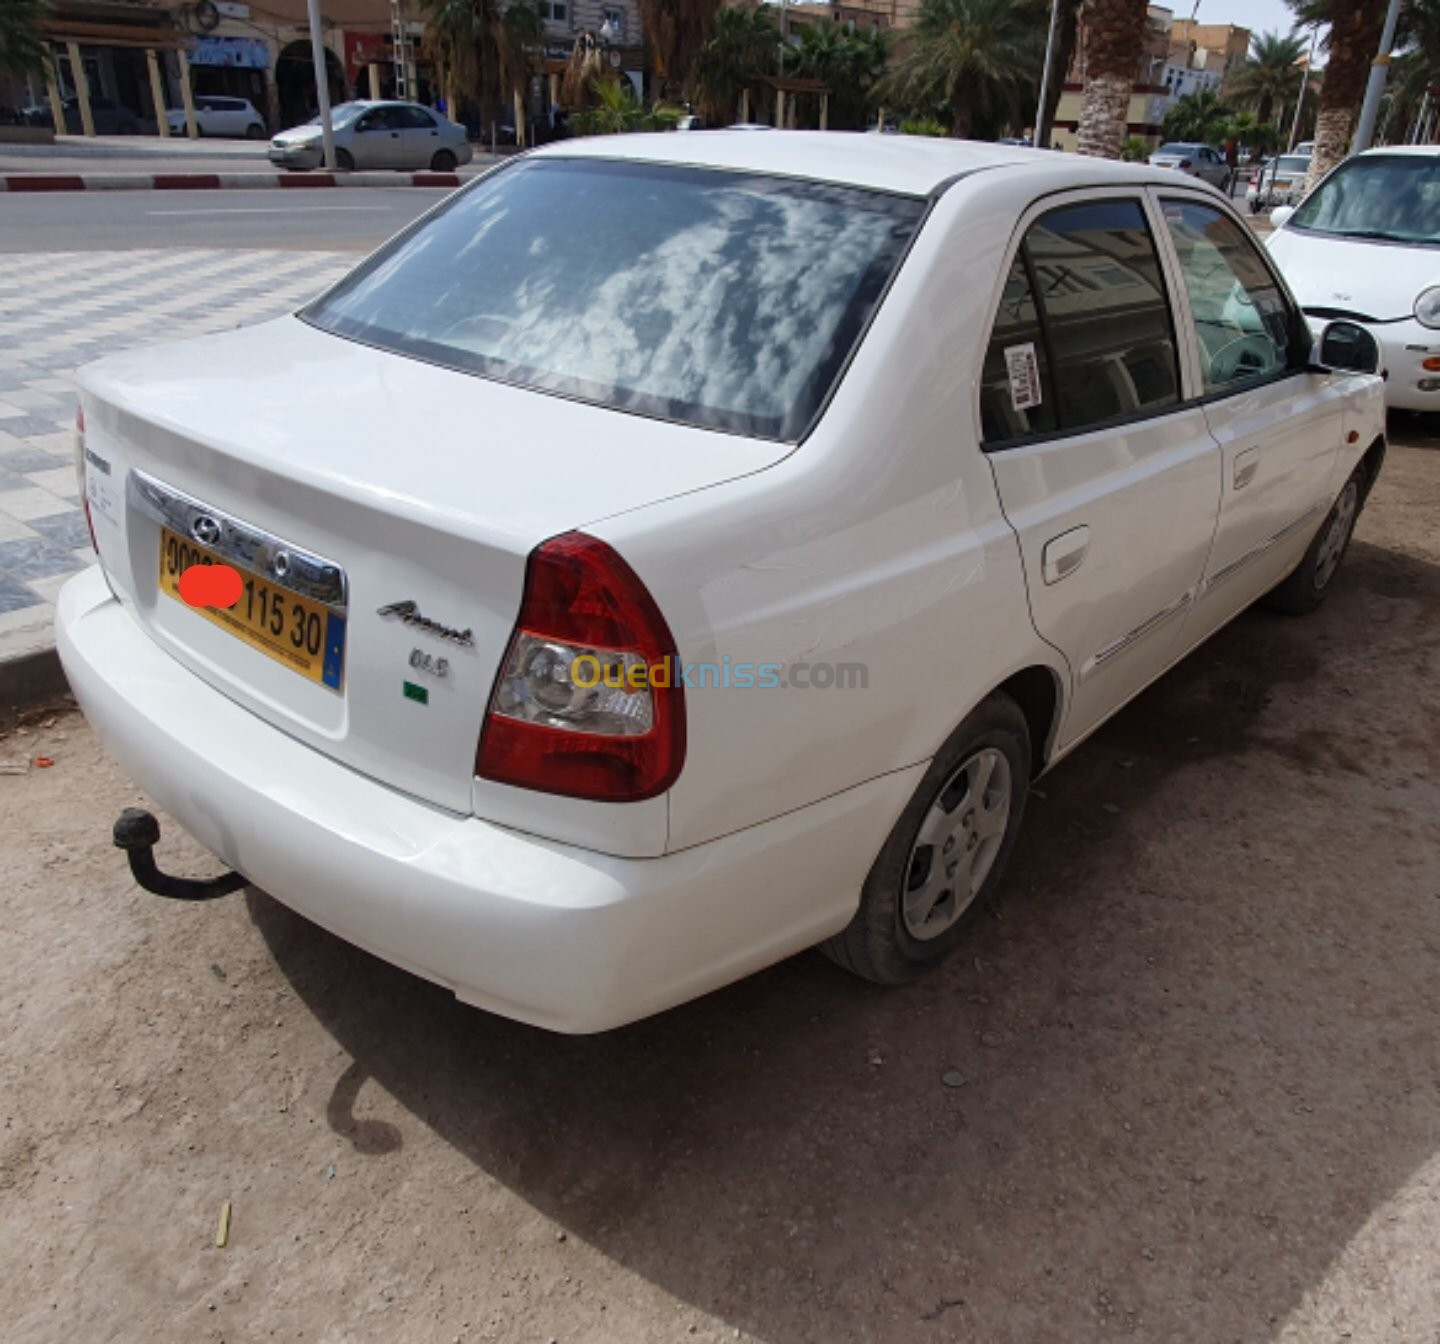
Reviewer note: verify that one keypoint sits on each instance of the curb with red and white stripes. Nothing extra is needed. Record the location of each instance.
(25, 182)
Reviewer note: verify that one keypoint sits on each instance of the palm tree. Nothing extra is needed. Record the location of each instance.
(23, 47)
(1112, 35)
(743, 45)
(1198, 116)
(975, 57)
(1355, 27)
(1270, 76)
(487, 47)
(674, 31)
(850, 63)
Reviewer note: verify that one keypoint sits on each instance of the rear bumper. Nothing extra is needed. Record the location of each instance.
(557, 936)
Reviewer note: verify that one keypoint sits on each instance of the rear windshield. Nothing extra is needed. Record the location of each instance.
(712, 298)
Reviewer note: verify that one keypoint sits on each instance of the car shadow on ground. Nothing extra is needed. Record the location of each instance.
(1181, 1064)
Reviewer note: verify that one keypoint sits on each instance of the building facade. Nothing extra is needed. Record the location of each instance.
(1178, 58)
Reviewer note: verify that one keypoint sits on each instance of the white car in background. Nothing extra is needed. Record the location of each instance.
(671, 553)
(1279, 182)
(215, 115)
(1365, 246)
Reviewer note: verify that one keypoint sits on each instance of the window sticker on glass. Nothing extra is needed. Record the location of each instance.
(1024, 371)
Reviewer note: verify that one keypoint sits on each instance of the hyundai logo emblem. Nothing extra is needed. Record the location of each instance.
(205, 530)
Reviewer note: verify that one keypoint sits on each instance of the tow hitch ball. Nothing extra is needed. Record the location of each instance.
(137, 833)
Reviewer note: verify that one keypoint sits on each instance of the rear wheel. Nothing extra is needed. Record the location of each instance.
(1305, 589)
(254, 131)
(944, 858)
(344, 161)
(443, 162)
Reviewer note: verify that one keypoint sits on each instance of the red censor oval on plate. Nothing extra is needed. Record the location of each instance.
(211, 586)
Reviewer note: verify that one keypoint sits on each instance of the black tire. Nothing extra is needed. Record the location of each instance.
(443, 162)
(878, 943)
(254, 131)
(1306, 587)
(344, 161)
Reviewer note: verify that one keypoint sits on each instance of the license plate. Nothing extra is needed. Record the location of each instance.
(303, 634)
(1282, 184)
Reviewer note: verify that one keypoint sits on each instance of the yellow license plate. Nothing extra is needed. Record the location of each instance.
(303, 634)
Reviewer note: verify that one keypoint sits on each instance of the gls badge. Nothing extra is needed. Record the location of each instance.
(425, 662)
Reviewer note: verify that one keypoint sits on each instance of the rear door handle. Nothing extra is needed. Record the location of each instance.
(1064, 554)
(1246, 465)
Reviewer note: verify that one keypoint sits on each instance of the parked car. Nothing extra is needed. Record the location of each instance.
(1202, 161)
(589, 653)
(220, 116)
(1279, 182)
(1365, 246)
(108, 116)
(377, 135)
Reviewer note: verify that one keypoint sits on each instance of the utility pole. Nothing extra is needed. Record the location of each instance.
(322, 82)
(1379, 68)
(1042, 131)
(1304, 84)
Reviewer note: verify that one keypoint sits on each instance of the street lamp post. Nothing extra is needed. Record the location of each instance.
(1041, 129)
(322, 82)
(1379, 68)
(1304, 84)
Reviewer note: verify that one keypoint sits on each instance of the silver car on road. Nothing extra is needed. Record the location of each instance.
(1195, 160)
(377, 135)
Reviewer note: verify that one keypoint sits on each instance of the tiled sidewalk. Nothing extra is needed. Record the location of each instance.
(61, 310)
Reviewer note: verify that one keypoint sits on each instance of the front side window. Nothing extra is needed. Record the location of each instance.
(1246, 327)
(1084, 334)
(713, 298)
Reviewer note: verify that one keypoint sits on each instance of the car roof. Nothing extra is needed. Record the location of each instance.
(914, 165)
(1404, 149)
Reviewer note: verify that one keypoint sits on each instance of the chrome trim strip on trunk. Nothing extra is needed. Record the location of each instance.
(1255, 552)
(1098, 659)
(238, 542)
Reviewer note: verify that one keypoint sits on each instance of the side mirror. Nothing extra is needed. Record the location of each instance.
(1346, 347)
(1280, 215)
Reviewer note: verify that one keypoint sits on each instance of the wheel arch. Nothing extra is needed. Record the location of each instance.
(1373, 460)
(1037, 691)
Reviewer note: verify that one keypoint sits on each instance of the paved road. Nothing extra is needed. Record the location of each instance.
(355, 219)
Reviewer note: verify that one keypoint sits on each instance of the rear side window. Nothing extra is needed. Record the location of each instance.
(1084, 336)
(713, 298)
(413, 119)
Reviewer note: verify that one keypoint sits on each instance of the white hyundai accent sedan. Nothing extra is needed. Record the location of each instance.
(674, 552)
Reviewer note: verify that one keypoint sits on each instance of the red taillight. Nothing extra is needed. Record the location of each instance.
(1184, 163)
(618, 741)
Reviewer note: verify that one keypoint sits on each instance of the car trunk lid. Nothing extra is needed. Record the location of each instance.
(422, 489)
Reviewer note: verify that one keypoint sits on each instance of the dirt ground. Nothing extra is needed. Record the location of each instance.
(1197, 1049)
